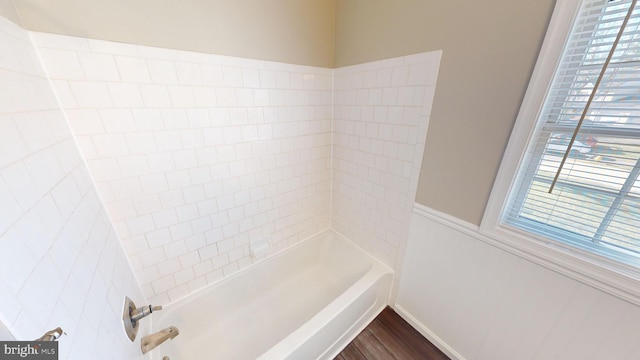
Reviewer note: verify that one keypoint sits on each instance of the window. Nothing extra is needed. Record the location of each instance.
(574, 193)
(595, 203)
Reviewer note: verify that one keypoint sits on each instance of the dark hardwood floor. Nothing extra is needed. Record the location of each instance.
(389, 337)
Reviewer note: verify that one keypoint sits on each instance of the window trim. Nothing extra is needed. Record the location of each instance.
(608, 275)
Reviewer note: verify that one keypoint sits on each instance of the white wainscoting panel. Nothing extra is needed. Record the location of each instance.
(476, 301)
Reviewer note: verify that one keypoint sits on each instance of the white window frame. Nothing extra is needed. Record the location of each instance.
(614, 277)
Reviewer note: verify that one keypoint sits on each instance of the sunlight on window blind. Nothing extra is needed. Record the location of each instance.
(596, 201)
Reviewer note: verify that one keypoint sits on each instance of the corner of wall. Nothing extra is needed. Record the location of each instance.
(60, 264)
(9, 11)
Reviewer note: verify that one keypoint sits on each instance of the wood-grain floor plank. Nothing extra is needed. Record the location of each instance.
(410, 336)
(390, 337)
(396, 346)
(371, 347)
(351, 352)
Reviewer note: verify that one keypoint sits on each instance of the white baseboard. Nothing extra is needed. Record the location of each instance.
(430, 335)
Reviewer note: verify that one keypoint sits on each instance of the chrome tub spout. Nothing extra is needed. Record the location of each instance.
(151, 341)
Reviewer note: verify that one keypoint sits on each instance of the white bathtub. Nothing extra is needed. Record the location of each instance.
(307, 302)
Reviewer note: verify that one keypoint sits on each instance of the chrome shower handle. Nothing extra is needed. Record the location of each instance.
(51, 335)
(143, 312)
(131, 314)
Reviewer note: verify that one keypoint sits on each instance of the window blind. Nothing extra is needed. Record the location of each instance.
(595, 204)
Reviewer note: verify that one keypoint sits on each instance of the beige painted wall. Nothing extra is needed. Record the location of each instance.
(290, 31)
(490, 48)
(8, 11)
(489, 51)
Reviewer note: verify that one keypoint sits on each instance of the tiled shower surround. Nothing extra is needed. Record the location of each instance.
(197, 155)
(194, 156)
(381, 114)
(61, 263)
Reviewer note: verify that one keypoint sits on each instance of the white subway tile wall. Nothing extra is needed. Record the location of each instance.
(61, 263)
(381, 114)
(196, 155)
